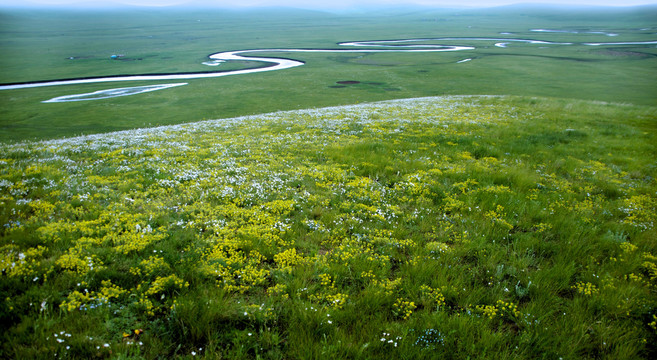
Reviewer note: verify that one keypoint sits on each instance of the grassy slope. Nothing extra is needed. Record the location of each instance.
(36, 46)
(446, 227)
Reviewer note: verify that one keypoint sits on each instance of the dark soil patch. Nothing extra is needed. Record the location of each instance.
(618, 53)
(372, 86)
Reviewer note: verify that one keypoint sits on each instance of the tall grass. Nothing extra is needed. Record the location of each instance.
(454, 227)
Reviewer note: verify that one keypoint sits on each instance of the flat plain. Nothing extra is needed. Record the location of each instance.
(39, 46)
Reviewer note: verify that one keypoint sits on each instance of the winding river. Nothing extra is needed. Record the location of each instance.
(376, 46)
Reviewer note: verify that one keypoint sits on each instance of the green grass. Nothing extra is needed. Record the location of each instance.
(37, 46)
(503, 227)
(463, 227)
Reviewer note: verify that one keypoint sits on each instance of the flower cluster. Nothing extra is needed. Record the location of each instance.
(430, 339)
(585, 288)
(403, 309)
(501, 309)
(434, 296)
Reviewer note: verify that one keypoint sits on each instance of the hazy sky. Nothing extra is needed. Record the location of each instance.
(329, 3)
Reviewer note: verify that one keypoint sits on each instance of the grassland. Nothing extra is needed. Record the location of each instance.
(449, 227)
(39, 45)
(512, 226)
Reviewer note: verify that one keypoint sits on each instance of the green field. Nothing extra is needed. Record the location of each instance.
(488, 228)
(500, 208)
(39, 45)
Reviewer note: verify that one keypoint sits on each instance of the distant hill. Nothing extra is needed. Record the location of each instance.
(567, 12)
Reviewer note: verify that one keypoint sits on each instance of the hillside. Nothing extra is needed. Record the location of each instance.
(458, 227)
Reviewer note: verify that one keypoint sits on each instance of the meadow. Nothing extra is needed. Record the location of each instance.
(447, 227)
(362, 206)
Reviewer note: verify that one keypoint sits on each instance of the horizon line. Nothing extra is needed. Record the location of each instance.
(204, 5)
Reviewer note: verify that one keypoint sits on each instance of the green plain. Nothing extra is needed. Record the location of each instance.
(38, 46)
